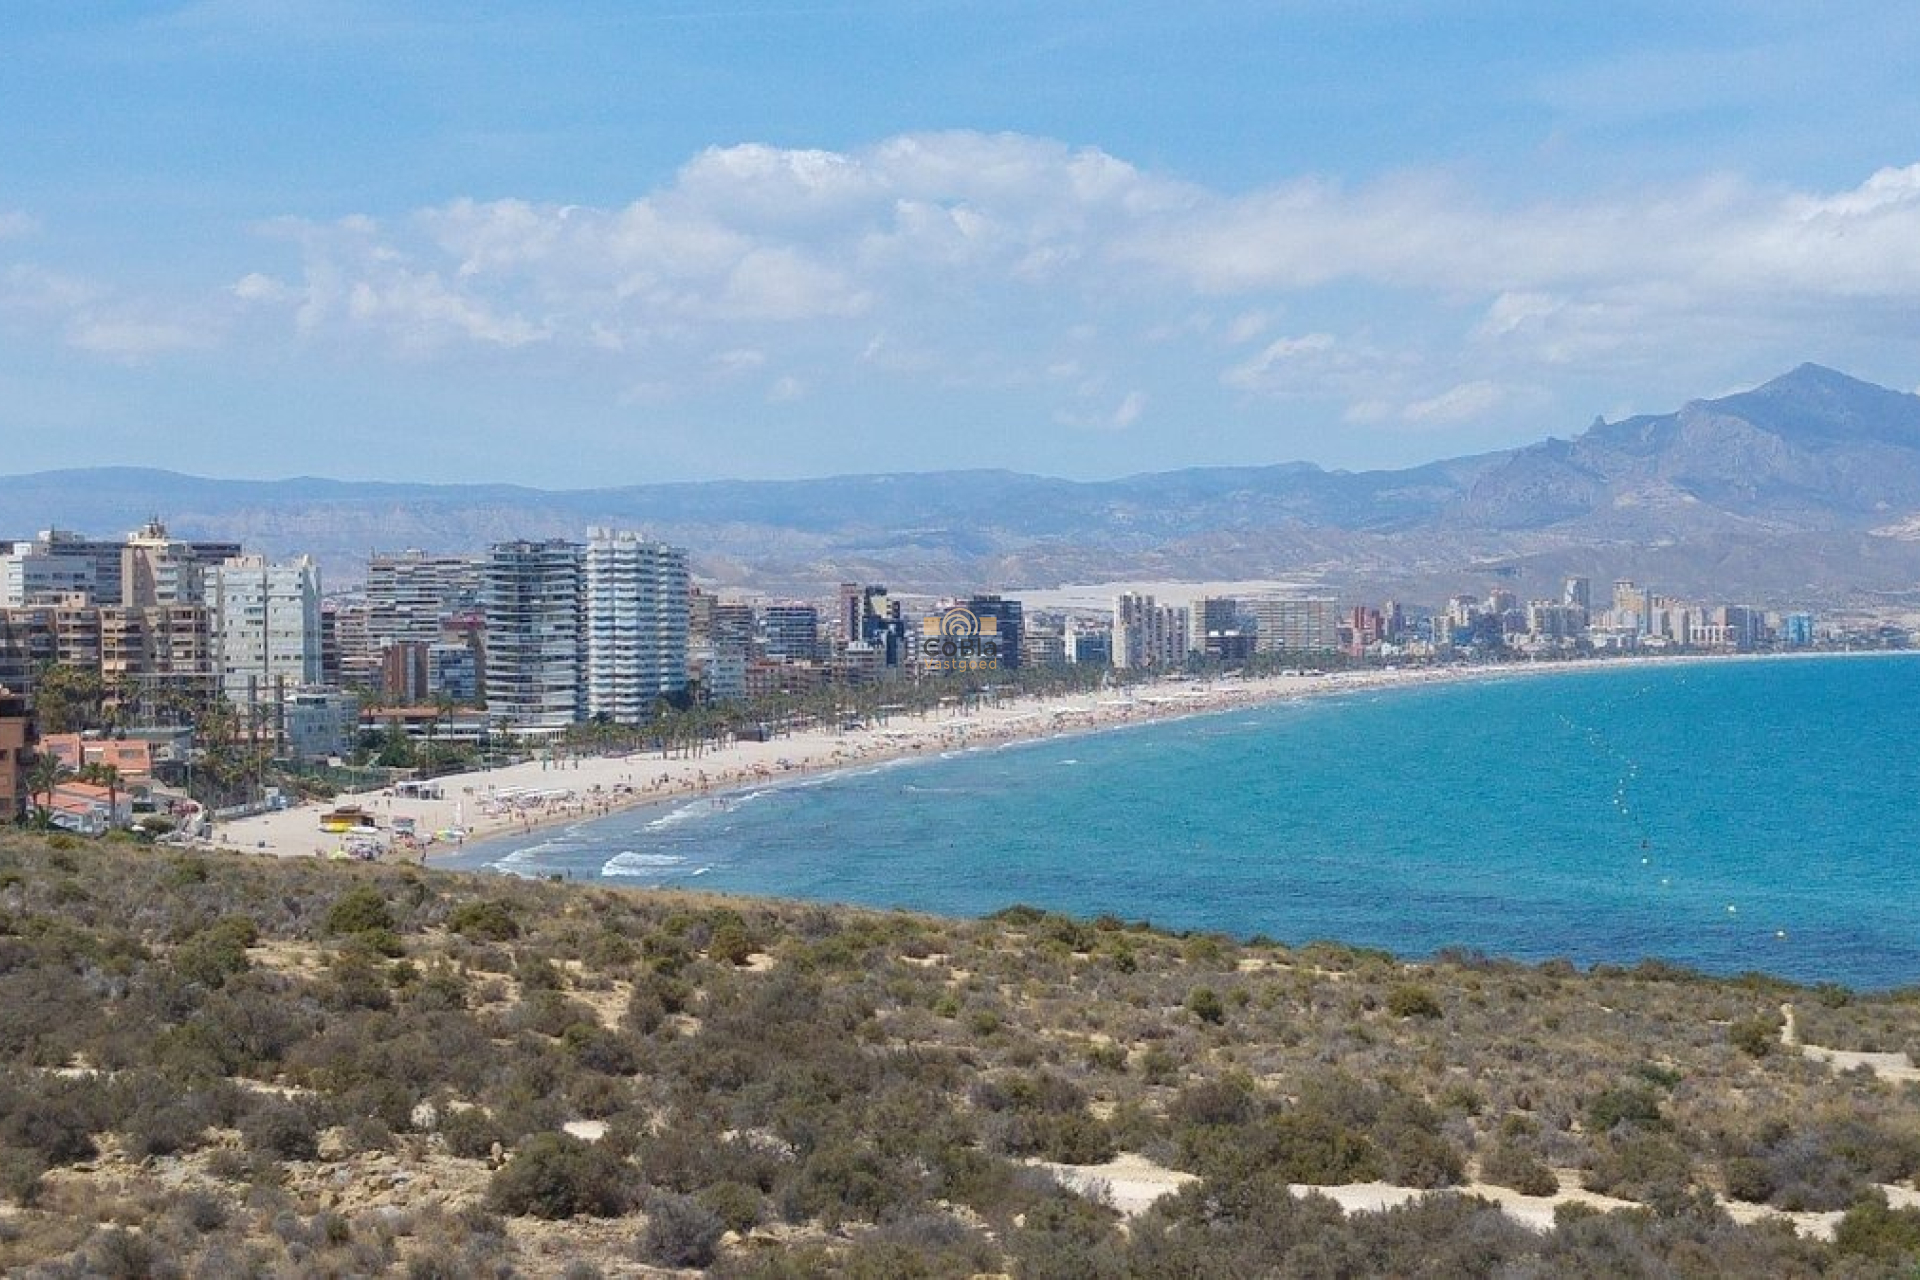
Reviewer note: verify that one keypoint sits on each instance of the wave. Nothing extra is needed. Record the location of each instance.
(674, 817)
(535, 854)
(632, 863)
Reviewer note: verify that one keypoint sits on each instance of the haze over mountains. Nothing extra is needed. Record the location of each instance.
(1806, 489)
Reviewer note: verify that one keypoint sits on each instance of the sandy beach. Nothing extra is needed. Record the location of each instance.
(524, 797)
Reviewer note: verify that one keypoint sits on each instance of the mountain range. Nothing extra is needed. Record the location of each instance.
(1805, 489)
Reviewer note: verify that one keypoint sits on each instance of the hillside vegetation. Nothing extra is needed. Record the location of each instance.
(221, 1064)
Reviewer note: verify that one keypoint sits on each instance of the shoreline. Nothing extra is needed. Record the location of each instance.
(490, 806)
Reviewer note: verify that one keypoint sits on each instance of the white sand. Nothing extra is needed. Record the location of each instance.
(1132, 1183)
(526, 796)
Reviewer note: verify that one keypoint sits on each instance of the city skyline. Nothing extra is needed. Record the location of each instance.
(616, 245)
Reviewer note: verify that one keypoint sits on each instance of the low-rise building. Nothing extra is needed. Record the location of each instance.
(89, 809)
(130, 758)
(320, 723)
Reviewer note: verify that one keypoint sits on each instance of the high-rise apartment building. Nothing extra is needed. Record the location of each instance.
(1009, 625)
(868, 617)
(636, 624)
(1290, 624)
(161, 657)
(30, 573)
(157, 568)
(410, 592)
(1220, 629)
(533, 596)
(1088, 645)
(1146, 634)
(266, 628)
(792, 631)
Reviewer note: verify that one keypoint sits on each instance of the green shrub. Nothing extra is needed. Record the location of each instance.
(730, 943)
(1508, 1165)
(680, 1231)
(1624, 1105)
(1158, 1066)
(736, 1204)
(1748, 1178)
(470, 1133)
(598, 1049)
(555, 1175)
(1755, 1037)
(1872, 1230)
(217, 952)
(1648, 1167)
(285, 1130)
(361, 908)
(384, 943)
(1418, 1157)
(1204, 1004)
(490, 921)
(1412, 1001)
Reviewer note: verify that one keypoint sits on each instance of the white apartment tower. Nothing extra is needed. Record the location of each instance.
(636, 624)
(266, 627)
(532, 593)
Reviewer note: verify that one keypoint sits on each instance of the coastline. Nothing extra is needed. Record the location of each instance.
(487, 806)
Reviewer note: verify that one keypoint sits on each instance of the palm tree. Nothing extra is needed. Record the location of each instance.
(44, 776)
(108, 776)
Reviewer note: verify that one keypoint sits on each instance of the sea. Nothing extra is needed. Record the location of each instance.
(1729, 816)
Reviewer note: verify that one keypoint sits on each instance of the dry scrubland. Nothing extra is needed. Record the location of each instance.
(226, 1065)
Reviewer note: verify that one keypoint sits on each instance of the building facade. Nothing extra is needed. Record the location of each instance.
(792, 632)
(266, 628)
(1291, 624)
(15, 734)
(533, 594)
(409, 593)
(637, 607)
(1146, 634)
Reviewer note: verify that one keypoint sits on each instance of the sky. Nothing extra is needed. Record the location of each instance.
(603, 243)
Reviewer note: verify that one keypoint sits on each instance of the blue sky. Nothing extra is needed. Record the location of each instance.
(600, 243)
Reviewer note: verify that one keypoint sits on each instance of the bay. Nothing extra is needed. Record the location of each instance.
(1728, 816)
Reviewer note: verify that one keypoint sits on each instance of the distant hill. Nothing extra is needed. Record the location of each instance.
(1806, 488)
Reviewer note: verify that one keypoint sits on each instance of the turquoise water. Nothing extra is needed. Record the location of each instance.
(1728, 816)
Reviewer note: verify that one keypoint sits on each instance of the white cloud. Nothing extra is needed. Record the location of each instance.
(786, 390)
(1130, 409)
(967, 256)
(1286, 362)
(32, 289)
(420, 309)
(93, 317)
(15, 223)
(738, 360)
(1462, 403)
(1247, 326)
(256, 287)
(133, 340)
